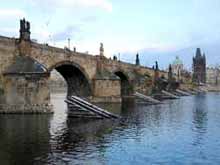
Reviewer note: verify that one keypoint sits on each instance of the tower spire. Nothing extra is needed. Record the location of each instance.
(198, 52)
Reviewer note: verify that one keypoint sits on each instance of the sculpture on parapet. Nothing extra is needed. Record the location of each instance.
(137, 62)
(170, 74)
(156, 73)
(157, 68)
(101, 49)
(24, 30)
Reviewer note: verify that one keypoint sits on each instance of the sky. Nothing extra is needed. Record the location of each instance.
(123, 26)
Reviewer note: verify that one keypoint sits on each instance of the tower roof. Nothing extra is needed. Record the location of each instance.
(198, 53)
(25, 64)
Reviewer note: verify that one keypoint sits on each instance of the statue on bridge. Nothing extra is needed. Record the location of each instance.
(157, 67)
(24, 30)
(137, 62)
(101, 49)
(170, 74)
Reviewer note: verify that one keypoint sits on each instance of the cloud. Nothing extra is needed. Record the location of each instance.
(68, 32)
(11, 13)
(103, 4)
(71, 4)
(9, 16)
(89, 19)
(8, 31)
(39, 34)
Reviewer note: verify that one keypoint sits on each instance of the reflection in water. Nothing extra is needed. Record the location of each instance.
(23, 138)
(83, 137)
(200, 113)
(200, 120)
(184, 131)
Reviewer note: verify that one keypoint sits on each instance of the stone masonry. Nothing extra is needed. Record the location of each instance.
(25, 68)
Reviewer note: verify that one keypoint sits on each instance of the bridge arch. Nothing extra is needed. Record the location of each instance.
(126, 84)
(77, 79)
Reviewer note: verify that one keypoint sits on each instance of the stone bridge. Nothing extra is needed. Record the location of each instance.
(25, 68)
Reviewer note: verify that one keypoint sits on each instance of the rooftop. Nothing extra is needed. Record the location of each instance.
(177, 61)
(25, 64)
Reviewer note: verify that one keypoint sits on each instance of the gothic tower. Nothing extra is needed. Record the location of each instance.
(199, 67)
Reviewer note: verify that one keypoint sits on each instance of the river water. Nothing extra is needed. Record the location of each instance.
(183, 131)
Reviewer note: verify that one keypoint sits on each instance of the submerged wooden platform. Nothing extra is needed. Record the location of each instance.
(148, 99)
(170, 95)
(80, 108)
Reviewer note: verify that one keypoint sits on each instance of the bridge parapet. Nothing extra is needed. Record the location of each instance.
(93, 76)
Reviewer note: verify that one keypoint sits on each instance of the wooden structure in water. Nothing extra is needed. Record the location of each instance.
(80, 108)
(147, 99)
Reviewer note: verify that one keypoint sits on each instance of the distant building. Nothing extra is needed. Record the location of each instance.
(57, 82)
(199, 68)
(177, 68)
(213, 75)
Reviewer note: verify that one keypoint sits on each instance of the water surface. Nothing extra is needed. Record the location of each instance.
(184, 131)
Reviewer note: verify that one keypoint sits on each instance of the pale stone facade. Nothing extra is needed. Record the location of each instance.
(57, 82)
(213, 75)
(177, 68)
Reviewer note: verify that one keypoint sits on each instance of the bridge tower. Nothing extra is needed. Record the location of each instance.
(199, 67)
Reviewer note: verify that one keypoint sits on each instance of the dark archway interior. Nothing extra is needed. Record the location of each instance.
(126, 88)
(76, 81)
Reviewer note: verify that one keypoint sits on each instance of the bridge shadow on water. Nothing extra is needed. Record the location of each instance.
(23, 138)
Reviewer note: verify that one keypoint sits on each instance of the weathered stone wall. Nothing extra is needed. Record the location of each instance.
(106, 90)
(8, 50)
(26, 94)
(141, 78)
(50, 57)
(128, 68)
(26, 91)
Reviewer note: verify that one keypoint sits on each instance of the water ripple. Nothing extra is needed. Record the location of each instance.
(184, 131)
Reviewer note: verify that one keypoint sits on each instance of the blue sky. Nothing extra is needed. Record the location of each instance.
(125, 26)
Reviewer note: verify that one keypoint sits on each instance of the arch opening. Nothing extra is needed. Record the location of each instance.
(126, 87)
(76, 81)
